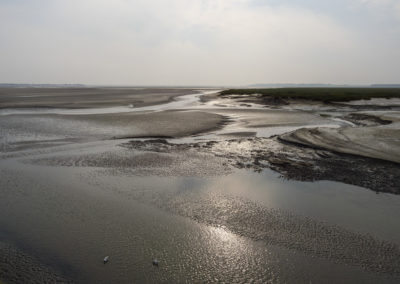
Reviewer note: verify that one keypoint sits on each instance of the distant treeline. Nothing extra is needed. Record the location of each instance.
(319, 94)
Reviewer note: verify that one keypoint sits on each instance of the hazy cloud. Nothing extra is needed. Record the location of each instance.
(199, 42)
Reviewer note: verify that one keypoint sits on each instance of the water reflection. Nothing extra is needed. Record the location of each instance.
(244, 227)
(348, 206)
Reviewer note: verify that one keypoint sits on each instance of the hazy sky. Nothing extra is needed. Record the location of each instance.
(201, 42)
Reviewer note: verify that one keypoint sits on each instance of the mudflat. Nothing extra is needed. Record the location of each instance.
(86, 97)
(216, 187)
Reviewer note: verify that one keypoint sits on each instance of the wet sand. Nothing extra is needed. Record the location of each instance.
(191, 185)
(372, 142)
(98, 206)
(288, 159)
(87, 97)
(18, 266)
(108, 126)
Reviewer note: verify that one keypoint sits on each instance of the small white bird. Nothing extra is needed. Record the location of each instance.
(105, 260)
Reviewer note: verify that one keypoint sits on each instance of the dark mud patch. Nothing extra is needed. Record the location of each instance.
(374, 174)
(239, 134)
(143, 137)
(361, 119)
(245, 99)
(290, 160)
(273, 101)
(367, 107)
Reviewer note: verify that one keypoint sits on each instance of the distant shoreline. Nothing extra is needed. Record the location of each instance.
(224, 86)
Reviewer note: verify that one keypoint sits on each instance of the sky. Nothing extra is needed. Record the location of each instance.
(199, 42)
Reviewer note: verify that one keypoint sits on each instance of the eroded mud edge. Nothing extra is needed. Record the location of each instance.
(290, 160)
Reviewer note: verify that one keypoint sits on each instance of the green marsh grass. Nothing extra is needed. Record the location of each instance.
(319, 94)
